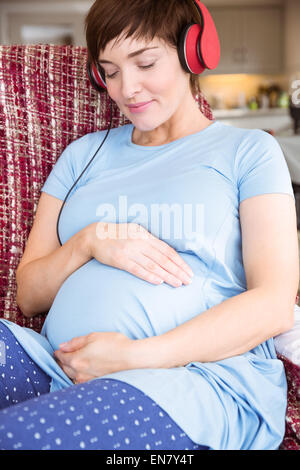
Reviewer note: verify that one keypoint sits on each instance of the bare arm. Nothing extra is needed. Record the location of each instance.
(240, 323)
(230, 328)
(46, 264)
(39, 280)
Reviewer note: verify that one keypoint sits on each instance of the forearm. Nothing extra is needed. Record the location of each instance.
(228, 329)
(39, 281)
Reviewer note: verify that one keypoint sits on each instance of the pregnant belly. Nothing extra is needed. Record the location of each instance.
(97, 297)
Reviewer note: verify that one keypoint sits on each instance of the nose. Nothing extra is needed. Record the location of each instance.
(130, 84)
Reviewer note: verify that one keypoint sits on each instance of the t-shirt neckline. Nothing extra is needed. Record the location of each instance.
(169, 144)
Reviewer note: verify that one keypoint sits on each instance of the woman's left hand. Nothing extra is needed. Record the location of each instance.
(87, 357)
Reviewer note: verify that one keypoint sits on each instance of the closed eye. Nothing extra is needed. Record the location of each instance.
(140, 66)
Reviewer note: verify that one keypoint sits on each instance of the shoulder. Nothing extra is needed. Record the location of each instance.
(239, 135)
(80, 151)
(237, 144)
(258, 137)
(258, 145)
(243, 147)
(249, 146)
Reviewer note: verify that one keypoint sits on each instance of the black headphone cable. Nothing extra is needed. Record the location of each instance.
(110, 124)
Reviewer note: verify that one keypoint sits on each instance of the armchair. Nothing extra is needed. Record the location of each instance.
(46, 102)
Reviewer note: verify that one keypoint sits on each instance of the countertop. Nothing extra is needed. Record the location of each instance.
(232, 113)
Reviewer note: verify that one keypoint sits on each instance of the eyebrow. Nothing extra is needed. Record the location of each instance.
(132, 54)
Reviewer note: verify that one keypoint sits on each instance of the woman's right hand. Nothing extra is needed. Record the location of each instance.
(132, 248)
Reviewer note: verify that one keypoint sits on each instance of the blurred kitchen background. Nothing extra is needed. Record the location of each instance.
(256, 85)
(259, 70)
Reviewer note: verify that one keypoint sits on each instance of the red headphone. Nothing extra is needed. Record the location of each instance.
(198, 49)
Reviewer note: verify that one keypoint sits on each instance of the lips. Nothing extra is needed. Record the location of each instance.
(138, 105)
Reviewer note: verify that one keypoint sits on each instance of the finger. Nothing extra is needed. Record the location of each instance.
(61, 357)
(83, 378)
(169, 252)
(57, 355)
(138, 271)
(74, 344)
(154, 267)
(165, 267)
(67, 370)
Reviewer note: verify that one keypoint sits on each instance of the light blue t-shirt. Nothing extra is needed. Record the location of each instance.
(187, 193)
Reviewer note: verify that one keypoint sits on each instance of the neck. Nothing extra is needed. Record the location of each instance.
(175, 128)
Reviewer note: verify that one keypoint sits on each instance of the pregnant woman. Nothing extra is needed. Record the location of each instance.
(174, 267)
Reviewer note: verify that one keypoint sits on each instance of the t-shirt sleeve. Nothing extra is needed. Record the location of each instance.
(260, 166)
(74, 164)
(61, 177)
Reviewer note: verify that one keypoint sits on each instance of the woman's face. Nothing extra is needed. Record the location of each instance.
(153, 76)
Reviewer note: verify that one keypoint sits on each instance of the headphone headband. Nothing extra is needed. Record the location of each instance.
(198, 49)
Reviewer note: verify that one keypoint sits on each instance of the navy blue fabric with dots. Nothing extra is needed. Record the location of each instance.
(103, 414)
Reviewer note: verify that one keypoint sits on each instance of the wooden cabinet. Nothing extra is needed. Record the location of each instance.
(251, 39)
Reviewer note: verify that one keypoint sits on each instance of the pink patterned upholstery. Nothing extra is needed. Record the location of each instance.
(46, 102)
(291, 439)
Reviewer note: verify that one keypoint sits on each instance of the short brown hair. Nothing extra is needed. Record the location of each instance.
(165, 19)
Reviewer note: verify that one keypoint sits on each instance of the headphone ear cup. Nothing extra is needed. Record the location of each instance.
(96, 77)
(198, 45)
(209, 45)
(188, 49)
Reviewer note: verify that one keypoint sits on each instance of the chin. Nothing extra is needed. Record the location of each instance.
(147, 124)
(144, 125)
